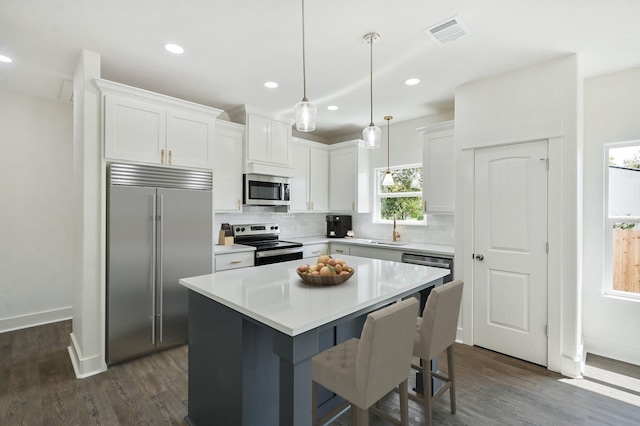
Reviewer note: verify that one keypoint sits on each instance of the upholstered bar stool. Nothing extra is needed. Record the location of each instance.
(364, 370)
(436, 332)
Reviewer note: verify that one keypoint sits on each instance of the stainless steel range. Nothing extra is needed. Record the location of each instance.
(266, 239)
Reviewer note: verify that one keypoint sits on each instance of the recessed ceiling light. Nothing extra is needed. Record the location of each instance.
(332, 107)
(5, 59)
(412, 81)
(271, 84)
(174, 48)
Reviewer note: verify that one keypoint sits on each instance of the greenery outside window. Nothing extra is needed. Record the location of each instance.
(402, 199)
(622, 227)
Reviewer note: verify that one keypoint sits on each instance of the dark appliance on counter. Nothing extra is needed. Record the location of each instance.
(265, 238)
(159, 229)
(338, 225)
(264, 190)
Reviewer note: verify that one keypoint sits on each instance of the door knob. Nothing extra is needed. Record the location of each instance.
(480, 257)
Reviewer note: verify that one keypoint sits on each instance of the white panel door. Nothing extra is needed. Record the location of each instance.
(510, 266)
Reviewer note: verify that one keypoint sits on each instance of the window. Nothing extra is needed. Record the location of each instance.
(622, 227)
(402, 199)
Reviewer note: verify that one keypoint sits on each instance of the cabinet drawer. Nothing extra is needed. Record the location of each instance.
(234, 260)
(315, 250)
(340, 248)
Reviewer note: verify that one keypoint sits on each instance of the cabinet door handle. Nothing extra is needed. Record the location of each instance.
(170, 157)
(425, 206)
(339, 251)
(353, 206)
(233, 262)
(162, 156)
(239, 204)
(312, 205)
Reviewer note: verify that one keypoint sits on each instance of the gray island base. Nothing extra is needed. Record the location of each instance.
(253, 331)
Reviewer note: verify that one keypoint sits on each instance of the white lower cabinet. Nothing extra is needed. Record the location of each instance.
(337, 248)
(233, 260)
(376, 253)
(315, 250)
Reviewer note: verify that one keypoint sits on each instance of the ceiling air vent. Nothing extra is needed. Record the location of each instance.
(447, 31)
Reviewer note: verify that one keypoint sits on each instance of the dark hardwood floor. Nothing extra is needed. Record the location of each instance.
(38, 387)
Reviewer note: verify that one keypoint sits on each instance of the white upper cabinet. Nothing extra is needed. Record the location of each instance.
(227, 170)
(147, 127)
(349, 177)
(190, 139)
(267, 141)
(438, 168)
(310, 178)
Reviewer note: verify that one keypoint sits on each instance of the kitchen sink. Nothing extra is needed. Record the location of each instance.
(379, 243)
(388, 243)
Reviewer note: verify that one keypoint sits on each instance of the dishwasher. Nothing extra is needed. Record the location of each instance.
(426, 260)
(436, 262)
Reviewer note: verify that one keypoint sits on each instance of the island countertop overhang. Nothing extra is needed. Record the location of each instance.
(275, 296)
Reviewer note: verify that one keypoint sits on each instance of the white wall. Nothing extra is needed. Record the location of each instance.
(610, 324)
(539, 102)
(36, 181)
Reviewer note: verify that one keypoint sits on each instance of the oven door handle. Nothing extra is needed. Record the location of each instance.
(278, 252)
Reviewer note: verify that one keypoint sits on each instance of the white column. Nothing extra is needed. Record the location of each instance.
(87, 336)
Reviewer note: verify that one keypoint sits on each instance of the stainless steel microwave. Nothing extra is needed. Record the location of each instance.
(265, 190)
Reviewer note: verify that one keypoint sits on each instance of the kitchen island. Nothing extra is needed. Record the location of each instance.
(253, 331)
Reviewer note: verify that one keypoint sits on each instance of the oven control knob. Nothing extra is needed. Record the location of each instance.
(274, 228)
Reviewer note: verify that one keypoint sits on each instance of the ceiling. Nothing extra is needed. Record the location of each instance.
(233, 47)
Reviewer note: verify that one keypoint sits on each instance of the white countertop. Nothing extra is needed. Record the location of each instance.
(404, 246)
(274, 294)
(236, 248)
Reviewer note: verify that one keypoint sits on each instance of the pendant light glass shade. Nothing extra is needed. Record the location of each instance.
(305, 116)
(371, 134)
(388, 178)
(305, 111)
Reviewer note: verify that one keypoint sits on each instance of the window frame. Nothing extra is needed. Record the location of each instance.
(377, 196)
(609, 221)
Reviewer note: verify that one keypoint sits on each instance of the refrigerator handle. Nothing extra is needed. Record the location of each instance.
(160, 247)
(154, 265)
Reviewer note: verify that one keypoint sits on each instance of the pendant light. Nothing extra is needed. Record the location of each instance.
(388, 178)
(371, 134)
(305, 110)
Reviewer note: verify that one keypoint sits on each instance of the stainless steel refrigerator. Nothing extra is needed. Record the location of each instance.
(159, 229)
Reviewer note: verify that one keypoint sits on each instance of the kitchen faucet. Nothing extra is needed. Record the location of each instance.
(396, 234)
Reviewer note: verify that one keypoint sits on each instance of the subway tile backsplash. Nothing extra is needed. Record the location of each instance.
(440, 228)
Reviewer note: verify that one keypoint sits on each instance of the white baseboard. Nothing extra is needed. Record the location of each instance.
(573, 366)
(84, 366)
(35, 319)
(612, 350)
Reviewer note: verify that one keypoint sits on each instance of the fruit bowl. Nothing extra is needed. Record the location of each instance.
(324, 280)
